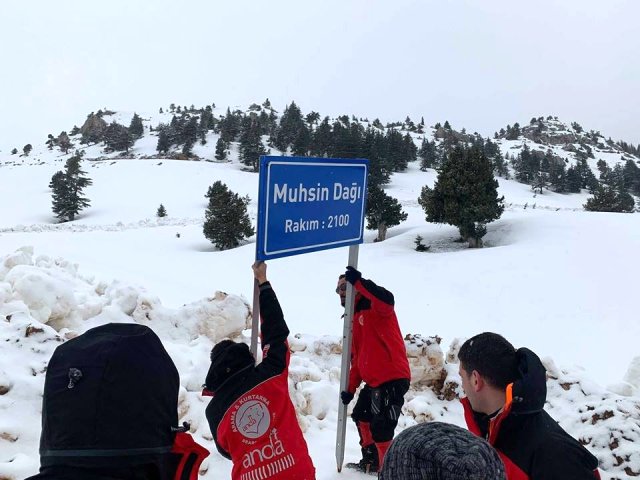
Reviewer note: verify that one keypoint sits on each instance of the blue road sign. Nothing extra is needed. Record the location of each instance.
(309, 204)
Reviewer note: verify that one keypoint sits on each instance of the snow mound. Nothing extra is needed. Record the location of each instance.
(45, 301)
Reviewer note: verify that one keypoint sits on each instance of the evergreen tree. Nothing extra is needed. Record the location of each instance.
(251, 146)
(221, 150)
(64, 142)
(136, 129)
(230, 126)
(321, 139)
(312, 118)
(164, 144)
(587, 177)
(465, 194)
(375, 149)
(540, 182)
(117, 138)
(68, 187)
(493, 153)
(27, 149)
(608, 199)
(383, 211)
(428, 155)
(574, 181)
(161, 212)
(526, 166)
(513, 133)
(301, 143)
(558, 176)
(189, 135)
(14, 151)
(160, 111)
(290, 123)
(226, 219)
(631, 177)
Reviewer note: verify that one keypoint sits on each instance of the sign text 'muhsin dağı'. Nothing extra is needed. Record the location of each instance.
(286, 194)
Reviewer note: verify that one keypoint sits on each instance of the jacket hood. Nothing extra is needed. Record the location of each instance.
(529, 390)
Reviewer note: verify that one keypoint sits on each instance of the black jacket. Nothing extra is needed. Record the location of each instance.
(274, 334)
(531, 443)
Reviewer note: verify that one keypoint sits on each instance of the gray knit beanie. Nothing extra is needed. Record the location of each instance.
(440, 451)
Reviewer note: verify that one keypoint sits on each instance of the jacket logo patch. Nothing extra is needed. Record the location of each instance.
(252, 419)
(361, 319)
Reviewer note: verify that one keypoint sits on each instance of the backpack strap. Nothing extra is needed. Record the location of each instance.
(191, 456)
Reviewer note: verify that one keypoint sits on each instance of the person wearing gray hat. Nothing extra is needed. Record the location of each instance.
(441, 451)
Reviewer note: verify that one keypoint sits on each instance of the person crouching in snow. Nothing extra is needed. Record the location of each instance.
(379, 358)
(251, 416)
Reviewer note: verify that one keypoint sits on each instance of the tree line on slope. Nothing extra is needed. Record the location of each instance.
(466, 164)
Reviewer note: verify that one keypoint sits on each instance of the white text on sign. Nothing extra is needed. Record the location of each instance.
(286, 194)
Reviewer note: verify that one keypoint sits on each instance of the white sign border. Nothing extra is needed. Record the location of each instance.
(307, 247)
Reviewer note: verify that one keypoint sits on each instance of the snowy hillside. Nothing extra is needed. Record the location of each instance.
(552, 277)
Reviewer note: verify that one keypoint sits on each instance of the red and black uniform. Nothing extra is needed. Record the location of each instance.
(379, 358)
(251, 415)
(531, 444)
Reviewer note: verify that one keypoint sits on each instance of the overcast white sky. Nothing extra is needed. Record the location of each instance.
(481, 64)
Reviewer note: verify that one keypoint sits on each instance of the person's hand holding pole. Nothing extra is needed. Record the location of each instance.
(260, 271)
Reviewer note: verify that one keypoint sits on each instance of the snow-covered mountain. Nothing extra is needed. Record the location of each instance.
(552, 277)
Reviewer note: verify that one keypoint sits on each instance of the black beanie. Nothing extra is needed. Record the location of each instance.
(441, 451)
(227, 357)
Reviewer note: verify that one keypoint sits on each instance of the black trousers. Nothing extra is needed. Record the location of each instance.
(381, 407)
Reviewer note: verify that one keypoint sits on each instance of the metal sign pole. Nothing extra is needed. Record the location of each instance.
(346, 360)
(255, 321)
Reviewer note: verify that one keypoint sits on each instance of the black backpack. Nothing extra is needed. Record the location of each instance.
(110, 401)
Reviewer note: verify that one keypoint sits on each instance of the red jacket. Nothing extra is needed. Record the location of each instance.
(251, 414)
(378, 353)
(531, 444)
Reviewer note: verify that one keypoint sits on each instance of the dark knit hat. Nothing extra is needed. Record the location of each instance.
(227, 357)
(440, 451)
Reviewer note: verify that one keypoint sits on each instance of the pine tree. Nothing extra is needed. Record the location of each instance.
(383, 211)
(428, 155)
(117, 138)
(290, 123)
(27, 149)
(221, 150)
(64, 142)
(574, 182)
(136, 129)
(68, 189)
(226, 219)
(608, 199)
(526, 166)
(321, 139)
(312, 118)
(465, 194)
(558, 176)
(161, 212)
(14, 151)
(631, 177)
(251, 146)
(164, 144)
(300, 147)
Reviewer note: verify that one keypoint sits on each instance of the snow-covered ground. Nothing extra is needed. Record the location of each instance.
(553, 278)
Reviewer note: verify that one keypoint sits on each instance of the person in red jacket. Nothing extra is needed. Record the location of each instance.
(506, 391)
(251, 416)
(379, 358)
